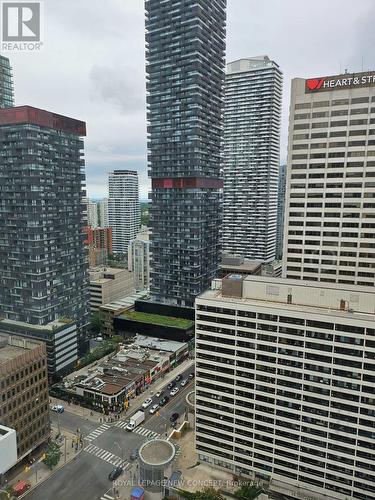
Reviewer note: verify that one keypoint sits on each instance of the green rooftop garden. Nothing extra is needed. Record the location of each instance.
(157, 319)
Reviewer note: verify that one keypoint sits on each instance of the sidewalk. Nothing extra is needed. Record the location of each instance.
(134, 403)
(39, 472)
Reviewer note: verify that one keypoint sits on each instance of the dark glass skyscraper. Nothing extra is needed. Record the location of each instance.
(6, 83)
(43, 263)
(185, 68)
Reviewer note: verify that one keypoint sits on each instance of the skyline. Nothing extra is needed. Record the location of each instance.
(108, 87)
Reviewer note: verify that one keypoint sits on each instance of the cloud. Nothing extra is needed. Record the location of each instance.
(93, 68)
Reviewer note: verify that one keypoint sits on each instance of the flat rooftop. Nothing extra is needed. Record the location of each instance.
(13, 346)
(125, 302)
(305, 296)
(10, 352)
(158, 344)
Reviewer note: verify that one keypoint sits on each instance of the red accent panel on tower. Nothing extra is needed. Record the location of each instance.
(27, 114)
(187, 182)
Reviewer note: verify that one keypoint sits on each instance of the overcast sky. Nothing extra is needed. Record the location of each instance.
(92, 65)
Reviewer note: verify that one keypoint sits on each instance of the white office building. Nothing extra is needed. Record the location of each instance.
(253, 88)
(103, 212)
(285, 385)
(124, 214)
(330, 206)
(139, 260)
(92, 213)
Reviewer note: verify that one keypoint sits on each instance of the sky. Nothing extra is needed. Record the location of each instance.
(92, 66)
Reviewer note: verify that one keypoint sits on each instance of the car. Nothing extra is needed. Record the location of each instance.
(171, 384)
(147, 403)
(164, 401)
(174, 391)
(184, 382)
(158, 394)
(178, 378)
(58, 408)
(192, 375)
(174, 417)
(154, 409)
(115, 473)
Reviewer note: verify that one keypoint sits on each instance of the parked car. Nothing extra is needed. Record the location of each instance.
(158, 394)
(154, 409)
(191, 375)
(178, 378)
(147, 403)
(164, 401)
(174, 417)
(184, 382)
(113, 475)
(58, 408)
(171, 384)
(174, 391)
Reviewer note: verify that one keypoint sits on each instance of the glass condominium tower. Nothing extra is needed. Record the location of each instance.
(185, 69)
(253, 88)
(6, 83)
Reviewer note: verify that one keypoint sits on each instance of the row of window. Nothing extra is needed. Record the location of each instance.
(334, 102)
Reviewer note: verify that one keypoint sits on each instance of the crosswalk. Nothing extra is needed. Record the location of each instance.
(138, 430)
(107, 496)
(94, 434)
(107, 456)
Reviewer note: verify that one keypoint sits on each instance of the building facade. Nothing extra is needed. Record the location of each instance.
(61, 338)
(330, 209)
(43, 269)
(124, 213)
(99, 242)
(108, 285)
(285, 385)
(280, 212)
(24, 405)
(103, 212)
(6, 83)
(185, 73)
(139, 260)
(92, 213)
(252, 113)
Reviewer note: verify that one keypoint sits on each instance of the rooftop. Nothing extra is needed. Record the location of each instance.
(157, 319)
(12, 347)
(157, 452)
(328, 299)
(125, 302)
(158, 344)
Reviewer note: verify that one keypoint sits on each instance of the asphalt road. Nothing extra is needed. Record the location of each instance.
(86, 476)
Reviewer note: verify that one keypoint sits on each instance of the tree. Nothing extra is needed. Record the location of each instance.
(95, 322)
(52, 455)
(248, 491)
(207, 493)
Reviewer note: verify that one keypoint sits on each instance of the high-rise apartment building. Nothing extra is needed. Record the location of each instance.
(124, 213)
(185, 73)
(253, 88)
(99, 242)
(6, 83)
(139, 260)
(103, 212)
(285, 385)
(92, 213)
(330, 209)
(280, 212)
(24, 401)
(43, 269)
